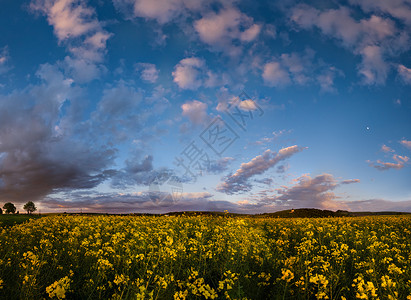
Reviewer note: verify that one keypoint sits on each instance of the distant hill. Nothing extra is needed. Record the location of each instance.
(292, 213)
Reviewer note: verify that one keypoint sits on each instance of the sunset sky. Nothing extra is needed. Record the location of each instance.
(248, 106)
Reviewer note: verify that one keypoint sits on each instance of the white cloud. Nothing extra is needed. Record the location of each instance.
(195, 111)
(188, 73)
(247, 105)
(149, 72)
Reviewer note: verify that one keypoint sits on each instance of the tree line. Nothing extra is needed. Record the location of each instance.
(9, 208)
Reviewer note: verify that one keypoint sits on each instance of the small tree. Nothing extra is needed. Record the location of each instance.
(30, 207)
(9, 208)
(1, 211)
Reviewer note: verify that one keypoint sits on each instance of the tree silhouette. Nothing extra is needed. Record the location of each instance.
(30, 207)
(1, 211)
(9, 208)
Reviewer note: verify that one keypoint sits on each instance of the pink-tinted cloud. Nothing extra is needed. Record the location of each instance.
(69, 18)
(383, 166)
(299, 69)
(307, 192)
(4, 60)
(405, 73)
(275, 75)
(386, 149)
(188, 73)
(396, 8)
(195, 111)
(406, 144)
(348, 181)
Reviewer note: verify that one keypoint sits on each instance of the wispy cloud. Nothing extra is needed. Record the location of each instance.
(383, 166)
(386, 149)
(239, 181)
(275, 136)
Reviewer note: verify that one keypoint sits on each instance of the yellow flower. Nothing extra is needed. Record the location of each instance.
(287, 275)
(59, 288)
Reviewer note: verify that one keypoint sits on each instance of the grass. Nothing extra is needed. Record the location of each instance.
(10, 220)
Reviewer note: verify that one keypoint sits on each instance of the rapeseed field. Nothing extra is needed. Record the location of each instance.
(206, 257)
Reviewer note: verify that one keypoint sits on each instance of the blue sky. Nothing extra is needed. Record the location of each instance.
(157, 106)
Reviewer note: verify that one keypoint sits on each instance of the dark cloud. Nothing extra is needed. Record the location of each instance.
(219, 166)
(143, 202)
(282, 168)
(266, 181)
(38, 153)
(136, 202)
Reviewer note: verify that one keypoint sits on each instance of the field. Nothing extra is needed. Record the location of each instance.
(206, 257)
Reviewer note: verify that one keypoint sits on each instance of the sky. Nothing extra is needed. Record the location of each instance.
(126, 106)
